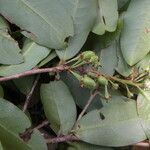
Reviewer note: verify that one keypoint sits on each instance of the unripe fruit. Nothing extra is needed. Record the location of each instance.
(87, 55)
(102, 80)
(88, 82)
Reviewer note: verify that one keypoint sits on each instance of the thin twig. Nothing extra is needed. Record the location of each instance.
(142, 144)
(85, 107)
(26, 136)
(28, 98)
(65, 138)
(44, 123)
(35, 71)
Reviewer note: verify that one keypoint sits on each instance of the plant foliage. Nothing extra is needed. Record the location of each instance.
(81, 65)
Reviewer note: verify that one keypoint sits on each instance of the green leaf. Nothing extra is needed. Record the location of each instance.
(144, 64)
(45, 22)
(33, 54)
(24, 84)
(143, 107)
(80, 95)
(59, 106)
(1, 91)
(109, 37)
(86, 146)
(9, 49)
(50, 57)
(116, 124)
(83, 24)
(122, 67)
(108, 59)
(135, 39)
(3, 24)
(107, 16)
(13, 122)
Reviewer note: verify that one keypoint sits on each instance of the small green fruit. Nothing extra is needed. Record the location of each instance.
(88, 82)
(102, 80)
(87, 55)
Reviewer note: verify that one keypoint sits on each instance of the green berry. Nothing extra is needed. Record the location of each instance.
(88, 82)
(102, 80)
(87, 55)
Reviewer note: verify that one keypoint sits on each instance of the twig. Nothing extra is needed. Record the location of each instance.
(44, 123)
(65, 138)
(26, 136)
(85, 108)
(142, 144)
(28, 98)
(35, 71)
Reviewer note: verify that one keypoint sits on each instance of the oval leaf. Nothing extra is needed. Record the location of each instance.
(9, 49)
(143, 107)
(3, 24)
(33, 54)
(109, 60)
(107, 16)
(112, 128)
(45, 22)
(135, 39)
(83, 24)
(59, 106)
(13, 122)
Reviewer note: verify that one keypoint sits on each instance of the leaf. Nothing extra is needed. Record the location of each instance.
(1, 92)
(9, 49)
(143, 107)
(86, 146)
(33, 54)
(50, 57)
(59, 106)
(144, 64)
(24, 84)
(80, 95)
(3, 25)
(122, 67)
(13, 122)
(45, 22)
(109, 37)
(83, 24)
(107, 16)
(108, 59)
(135, 39)
(108, 127)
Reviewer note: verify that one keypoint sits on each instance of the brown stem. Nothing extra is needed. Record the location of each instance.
(65, 138)
(26, 136)
(85, 107)
(44, 123)
(142, 144)
(35, 71)
(28, 98)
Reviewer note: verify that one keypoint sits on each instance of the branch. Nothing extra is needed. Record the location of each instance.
(142, 144)
(65, 138)
(26, 136)
(85, 108)
(35, 71)
(28, 98)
